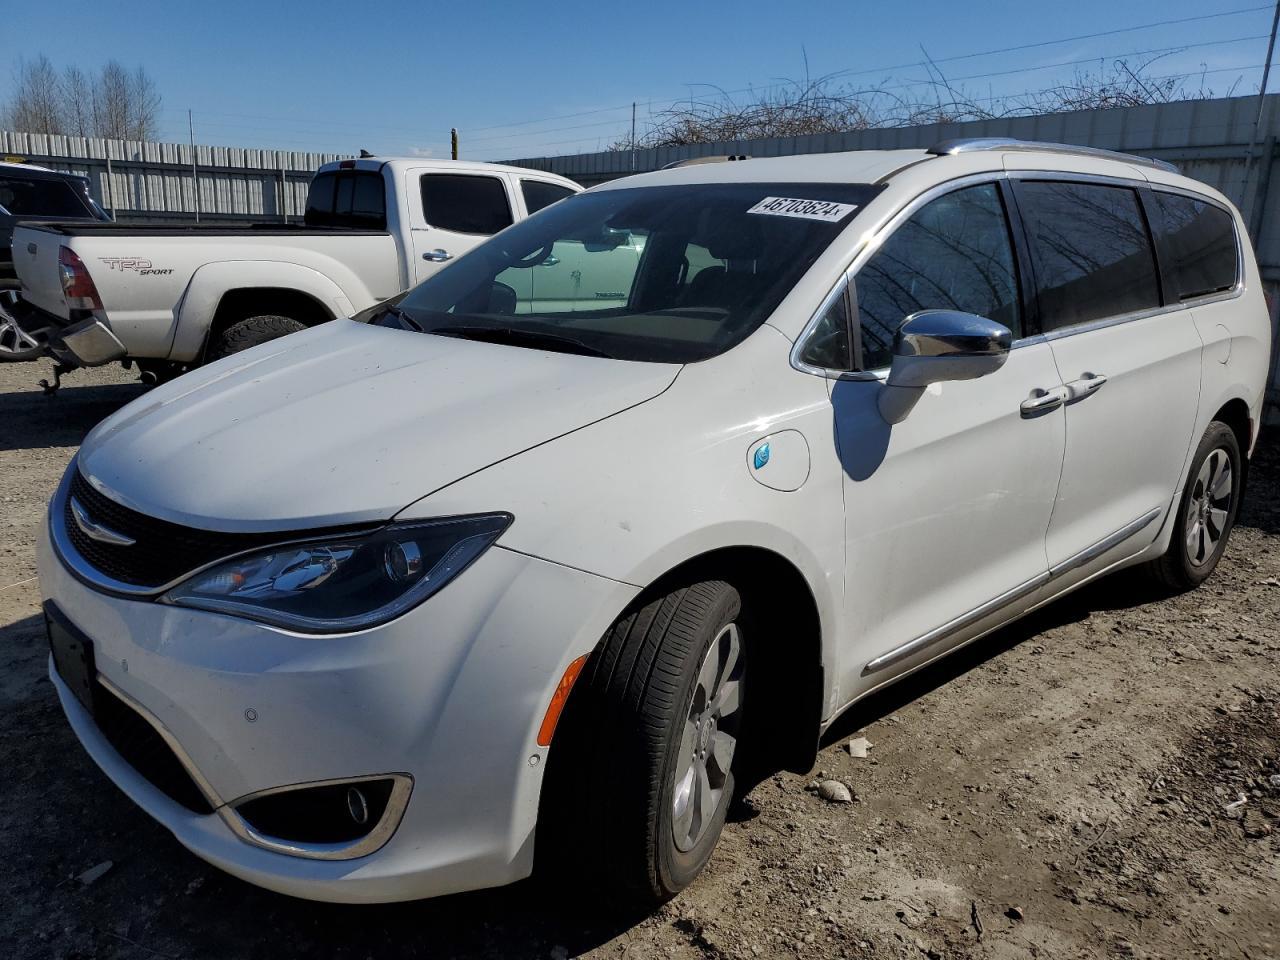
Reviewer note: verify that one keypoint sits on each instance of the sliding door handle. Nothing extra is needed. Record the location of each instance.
(1042, 401)
(1086, 386)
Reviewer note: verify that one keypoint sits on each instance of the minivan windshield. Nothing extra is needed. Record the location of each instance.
(670, 274)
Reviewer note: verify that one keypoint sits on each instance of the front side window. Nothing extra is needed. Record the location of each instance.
(461, 203)
(670, 274)
(1201, 241)
(539, 194)
(954, 253)
(1092, 252)
(828, 345)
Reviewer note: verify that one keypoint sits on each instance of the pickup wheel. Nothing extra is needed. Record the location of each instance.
(250, 332)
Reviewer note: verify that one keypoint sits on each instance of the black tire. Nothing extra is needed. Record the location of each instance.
(249, 333)
(609, 821)
(1185, 565)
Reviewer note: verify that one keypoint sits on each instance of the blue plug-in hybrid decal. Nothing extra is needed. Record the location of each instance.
(762, 455)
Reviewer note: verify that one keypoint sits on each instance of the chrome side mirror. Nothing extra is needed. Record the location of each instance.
(934, 346)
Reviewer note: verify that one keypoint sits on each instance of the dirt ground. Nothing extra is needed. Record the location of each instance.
(1098, 781)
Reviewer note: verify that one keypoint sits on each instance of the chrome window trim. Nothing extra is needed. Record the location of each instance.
(868, 244)
(892, 221)
(375, 839)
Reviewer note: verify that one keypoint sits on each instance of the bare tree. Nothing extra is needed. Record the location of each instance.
(76, 92)
(798, 107)
(36, 106)
(116, 102)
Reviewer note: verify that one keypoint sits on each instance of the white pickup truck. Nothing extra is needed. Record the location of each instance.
(170, 297)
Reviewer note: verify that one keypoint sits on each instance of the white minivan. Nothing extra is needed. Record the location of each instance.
(385, 610)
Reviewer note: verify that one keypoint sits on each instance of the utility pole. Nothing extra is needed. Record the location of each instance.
(195, 181)
(633, 132)
(453, 136)
(1262, 107)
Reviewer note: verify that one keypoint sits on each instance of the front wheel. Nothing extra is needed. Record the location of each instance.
(641, 770)
(1206, 512)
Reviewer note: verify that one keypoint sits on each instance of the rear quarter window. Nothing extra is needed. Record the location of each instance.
(1200, 243)
(347, 198)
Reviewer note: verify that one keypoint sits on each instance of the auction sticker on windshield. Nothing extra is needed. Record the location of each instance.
(827, 210)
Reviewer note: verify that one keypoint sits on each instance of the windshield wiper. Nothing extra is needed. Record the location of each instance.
(517, 336)
(403, 317)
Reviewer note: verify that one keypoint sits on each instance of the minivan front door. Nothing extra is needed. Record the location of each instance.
(1131, 370)
(946, 511)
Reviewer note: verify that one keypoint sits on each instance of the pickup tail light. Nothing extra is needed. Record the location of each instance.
(77, 286)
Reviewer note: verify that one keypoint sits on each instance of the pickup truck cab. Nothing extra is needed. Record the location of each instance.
(171, 297)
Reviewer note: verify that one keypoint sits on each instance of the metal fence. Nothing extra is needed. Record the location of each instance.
(1207, 139)
(139, 180)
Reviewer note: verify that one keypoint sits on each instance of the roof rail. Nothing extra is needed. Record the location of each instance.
(695, 161)
(972, 144)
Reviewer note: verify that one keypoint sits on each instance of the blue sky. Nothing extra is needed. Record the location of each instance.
(394, 77)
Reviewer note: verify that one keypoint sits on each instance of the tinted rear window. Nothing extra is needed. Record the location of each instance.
(1200, 239)
(539, 194)
(41, 198)
(465, 204)
(1093, 255)
(347, 198)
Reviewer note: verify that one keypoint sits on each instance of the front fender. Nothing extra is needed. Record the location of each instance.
(212, 281)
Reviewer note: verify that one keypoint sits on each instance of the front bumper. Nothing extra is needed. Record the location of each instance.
(450, 694)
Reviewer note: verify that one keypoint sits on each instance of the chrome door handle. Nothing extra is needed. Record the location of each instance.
(551, 261)
(437, 256)
(1086, 386)
(1042, 401)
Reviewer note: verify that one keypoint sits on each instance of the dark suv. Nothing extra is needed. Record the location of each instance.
(33, 193)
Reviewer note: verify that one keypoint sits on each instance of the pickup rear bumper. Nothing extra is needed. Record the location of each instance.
(29, 333)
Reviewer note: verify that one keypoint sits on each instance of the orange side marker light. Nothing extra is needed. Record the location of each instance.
(558, 700)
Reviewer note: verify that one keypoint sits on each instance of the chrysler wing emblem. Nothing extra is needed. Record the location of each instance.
(96, 531)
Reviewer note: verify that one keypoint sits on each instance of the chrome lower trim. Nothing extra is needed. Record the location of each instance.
(375, 839)
(370, 842)
(184, 758)
(1104, 545)
(938, 634)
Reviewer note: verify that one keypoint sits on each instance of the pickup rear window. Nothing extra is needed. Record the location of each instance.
(41, 198)
(347, 198)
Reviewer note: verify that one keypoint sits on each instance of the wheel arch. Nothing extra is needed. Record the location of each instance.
(244, 302)
(784, 645)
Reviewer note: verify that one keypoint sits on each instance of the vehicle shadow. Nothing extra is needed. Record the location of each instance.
(31, 420)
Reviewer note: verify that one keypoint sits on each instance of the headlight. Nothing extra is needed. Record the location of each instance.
(343, 583)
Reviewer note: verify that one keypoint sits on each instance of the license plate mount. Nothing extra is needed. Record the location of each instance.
(72, 655)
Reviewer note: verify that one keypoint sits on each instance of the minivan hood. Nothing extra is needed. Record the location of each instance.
(345, 423)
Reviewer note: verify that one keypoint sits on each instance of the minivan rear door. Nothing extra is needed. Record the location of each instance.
(1130, 366)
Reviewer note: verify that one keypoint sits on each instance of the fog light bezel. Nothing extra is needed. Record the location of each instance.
(377, 837)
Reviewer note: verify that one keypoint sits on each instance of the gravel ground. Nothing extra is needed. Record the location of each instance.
(1071, 787)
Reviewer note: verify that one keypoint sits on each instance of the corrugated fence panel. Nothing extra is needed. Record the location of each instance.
(145, 180)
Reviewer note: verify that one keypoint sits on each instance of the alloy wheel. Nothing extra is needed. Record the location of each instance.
(1209, 507)
(709, 740)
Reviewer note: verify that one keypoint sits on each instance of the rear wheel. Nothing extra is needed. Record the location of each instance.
(16, 344)
(641, 771)
(249, 333)
(1206, 512)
